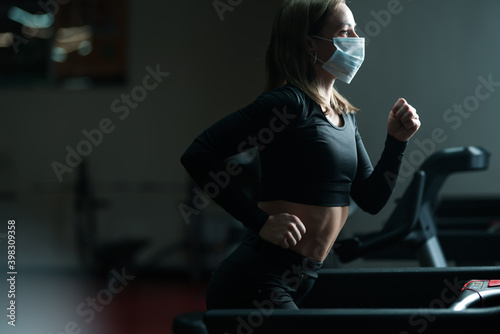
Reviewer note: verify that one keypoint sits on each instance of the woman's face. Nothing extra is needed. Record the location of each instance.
(340, 24)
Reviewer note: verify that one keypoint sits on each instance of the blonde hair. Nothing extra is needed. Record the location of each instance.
(287, 60)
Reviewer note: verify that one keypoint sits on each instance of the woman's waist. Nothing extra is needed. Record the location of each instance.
(322, 223)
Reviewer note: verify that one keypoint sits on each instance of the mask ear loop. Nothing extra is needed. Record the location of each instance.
(315, 57)
(315, 53)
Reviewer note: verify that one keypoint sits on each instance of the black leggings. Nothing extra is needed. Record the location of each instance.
(260, 275)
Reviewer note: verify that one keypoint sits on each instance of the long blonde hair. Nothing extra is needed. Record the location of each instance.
(287, 60)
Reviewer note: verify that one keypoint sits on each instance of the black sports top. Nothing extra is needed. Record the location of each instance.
(304, 157)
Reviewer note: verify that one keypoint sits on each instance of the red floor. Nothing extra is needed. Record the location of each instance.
(150, 307)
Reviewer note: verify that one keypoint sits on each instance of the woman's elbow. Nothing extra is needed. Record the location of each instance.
(186, 159)
(372, 207)
(192, 154)
(373, 210)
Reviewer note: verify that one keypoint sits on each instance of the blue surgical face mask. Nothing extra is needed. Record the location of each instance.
(347, 59)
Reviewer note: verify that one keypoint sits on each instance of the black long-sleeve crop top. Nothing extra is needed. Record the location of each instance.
(304, 158)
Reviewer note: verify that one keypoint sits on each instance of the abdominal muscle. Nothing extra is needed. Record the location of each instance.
(323, 225)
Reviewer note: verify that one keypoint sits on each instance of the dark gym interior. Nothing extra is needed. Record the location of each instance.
(100, 98)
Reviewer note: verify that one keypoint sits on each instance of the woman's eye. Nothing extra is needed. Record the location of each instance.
(344, 32)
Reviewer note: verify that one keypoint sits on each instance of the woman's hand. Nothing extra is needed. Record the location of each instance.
(403, 121)
(283, 230)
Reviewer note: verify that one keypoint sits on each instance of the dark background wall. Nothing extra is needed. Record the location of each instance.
(433, 53)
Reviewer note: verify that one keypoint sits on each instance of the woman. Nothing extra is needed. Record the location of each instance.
(312, 159)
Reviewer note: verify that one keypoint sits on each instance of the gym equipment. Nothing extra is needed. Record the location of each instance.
(478, 293)
(469, 229)
(404, 235)
(469, 213)
(190, 323)
(399, 301)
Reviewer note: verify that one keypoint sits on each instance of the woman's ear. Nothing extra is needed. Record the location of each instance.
(310, 45)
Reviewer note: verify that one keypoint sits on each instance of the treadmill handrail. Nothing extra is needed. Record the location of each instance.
(400, 224)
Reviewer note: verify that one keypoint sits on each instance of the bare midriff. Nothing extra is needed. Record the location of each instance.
(323, 225)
